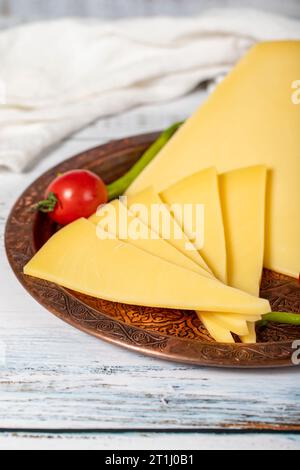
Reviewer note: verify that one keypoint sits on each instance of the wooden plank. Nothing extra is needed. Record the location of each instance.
(126, 8)
(148, 441)
(56, 378)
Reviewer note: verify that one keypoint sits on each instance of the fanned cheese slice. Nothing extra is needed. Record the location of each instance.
(202, 189)
(220, 333)
(243, 203)
(111, 216)
(250, 338)
(149, 197)
(252, 118)
(118, 220)
(177, 238)
(237, 326)
(75, 258)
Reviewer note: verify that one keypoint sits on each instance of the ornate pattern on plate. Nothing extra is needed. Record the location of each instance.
(171, 334)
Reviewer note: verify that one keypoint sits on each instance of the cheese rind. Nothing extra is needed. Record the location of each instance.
(203, 188)
(117, 271)
(250, 119)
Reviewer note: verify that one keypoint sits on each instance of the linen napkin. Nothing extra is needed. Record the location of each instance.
(58, 76)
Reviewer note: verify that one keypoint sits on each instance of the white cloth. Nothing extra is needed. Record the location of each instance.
(58, 76)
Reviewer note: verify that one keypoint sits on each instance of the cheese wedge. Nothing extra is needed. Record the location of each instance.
(252, 118)
(148, 198)
(118, 220)
(203, 188)
(113, 270)
(147, 240)
(243, 203)
(237, 326)
(177, 238)
(250, 338)
(219, 333)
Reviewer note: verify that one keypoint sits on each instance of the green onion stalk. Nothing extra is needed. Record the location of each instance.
(118, 187)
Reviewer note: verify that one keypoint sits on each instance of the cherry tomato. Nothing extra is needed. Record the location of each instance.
(73, 195)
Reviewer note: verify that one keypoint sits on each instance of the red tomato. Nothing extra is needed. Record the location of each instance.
(73, 195)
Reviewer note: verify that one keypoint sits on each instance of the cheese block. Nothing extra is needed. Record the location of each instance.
(177, 238)
(120, 222)
(250, 119)
(202, 188)
(117, 271)
(243, 203)
(218, 332)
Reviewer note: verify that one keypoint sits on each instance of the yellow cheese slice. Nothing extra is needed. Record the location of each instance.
(252, 118)
(243, 203)
(112, 215)
(113, 270)
(118, 220)
(203, 188)
(250, 338)
(218, 332)
(149, 197)
(177, 238)
(237, 326)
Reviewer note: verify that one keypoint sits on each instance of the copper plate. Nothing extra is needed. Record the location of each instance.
(167, 334)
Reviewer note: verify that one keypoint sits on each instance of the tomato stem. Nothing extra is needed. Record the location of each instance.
(118, 187)
(47, 205)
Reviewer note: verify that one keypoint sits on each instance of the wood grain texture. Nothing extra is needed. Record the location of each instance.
(55, 377)
(125, 8)
(147, 441)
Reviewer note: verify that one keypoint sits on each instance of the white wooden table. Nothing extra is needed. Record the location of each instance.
(60, 388)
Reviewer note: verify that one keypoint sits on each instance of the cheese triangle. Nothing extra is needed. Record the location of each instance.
(112, 215)
(202, 188)
(177, 238)
(113, 270)
(219, 333)
(118, 220)
(237, 326)
(250, 338)
(243, 203)
(252, 118)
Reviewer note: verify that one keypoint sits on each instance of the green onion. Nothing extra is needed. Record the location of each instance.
(118, 187)
(281, 317)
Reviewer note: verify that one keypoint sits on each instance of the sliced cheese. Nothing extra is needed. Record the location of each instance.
(113, 270)
(176, 237)
(218, 332)
(202, 188)
(243, 203)
(112, 215)
(207, 180)
(237, 326)
(251, 118)
(119, 221)
(250, 338)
